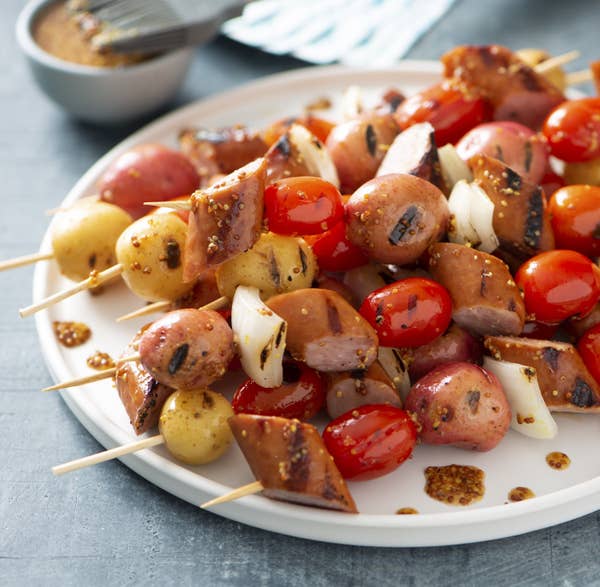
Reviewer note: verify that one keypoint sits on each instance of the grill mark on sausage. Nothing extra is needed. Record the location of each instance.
(298, 457)
(178, 358)
(371, 139)
(303, 260)
(551, 355)
(473, 398)
(173, 254)
(407, 219)
(333, 317)
(274, 269)
(534, 222)
(513, 179)
(528, 155)
(582, 396)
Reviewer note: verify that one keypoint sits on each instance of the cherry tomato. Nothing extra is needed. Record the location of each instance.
(589, 349)
(539, 330)
(301, 395)
(302, 205)
(575, 214)
(448, 107)
(334, 251)
(551, 182)
(370, 441)
(557, 285)
(408, 313)
(573, 130)
(317, 126)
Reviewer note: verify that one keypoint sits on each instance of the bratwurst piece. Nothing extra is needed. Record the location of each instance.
(485, 299)
(394, 218)
(291, 462)
(142, 395)
(460, 404)
(513, 88)
(187, 348)
(565, 382)
(325, 331)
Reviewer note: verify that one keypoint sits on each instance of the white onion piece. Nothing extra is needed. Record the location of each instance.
(482, 216)
(530, 414)
(315, 155)
(352, 103)
(461, 230)
(260, 336)
(395, 367)
(363, 280)
(453, 167)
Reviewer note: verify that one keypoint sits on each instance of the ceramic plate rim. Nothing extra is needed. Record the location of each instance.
(250, 510)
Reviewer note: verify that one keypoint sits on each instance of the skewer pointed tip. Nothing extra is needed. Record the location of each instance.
(250, 489)
(173, 204)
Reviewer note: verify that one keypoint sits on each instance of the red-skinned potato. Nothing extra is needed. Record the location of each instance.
(147, 173)
(462, 405)
(455, 345)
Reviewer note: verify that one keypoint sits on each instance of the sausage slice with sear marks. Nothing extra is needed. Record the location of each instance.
(291, 462)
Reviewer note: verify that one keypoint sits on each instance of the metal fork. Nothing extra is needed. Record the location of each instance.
(147, 26)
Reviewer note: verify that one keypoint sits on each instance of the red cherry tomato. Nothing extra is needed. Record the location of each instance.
(302, 205)
(573, 130)
(575, 213)
(334, 251)
(301, 395)
(557, 285)
(408, 313)
(589, 349)
(317, 126)
(448, 107)
(551, 182)
(370, 441)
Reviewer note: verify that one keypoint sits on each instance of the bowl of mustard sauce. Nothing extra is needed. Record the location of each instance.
(93, 85)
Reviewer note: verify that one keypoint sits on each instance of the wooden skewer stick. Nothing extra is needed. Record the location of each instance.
(105, 374)
(173, 204)
(149, 309)
(250, 489)
(579, 77)
(159, 306)
(557, 61)
(107, 455)
(25, 260)
(92, 281)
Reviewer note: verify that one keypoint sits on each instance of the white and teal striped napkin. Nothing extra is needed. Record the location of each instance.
(354, 32)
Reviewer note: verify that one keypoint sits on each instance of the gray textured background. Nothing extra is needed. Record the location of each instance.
(106, 526)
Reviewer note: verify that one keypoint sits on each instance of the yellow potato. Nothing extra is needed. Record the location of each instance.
(84, 237)
(275, 264)
(151, 252)
(587, 172)
(194, 425)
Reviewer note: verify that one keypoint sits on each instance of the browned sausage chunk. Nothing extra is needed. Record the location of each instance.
(225, 220)
(290, 460)
(220, 151)
(358, 146)
(515, 90)
(188, 348)
(460, 404)
(521, 220)
(456, 345)
(352, 389)
(394, 218)
(565, 382)
(325, 331)
(414, 152)
(142, 395)
(485, 299)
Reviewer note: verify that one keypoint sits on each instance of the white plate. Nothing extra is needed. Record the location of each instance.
(517, 461)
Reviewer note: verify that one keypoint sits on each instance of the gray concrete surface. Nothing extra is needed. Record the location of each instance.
(106, 526)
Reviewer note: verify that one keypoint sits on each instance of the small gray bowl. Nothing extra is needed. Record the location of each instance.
(101, 94)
